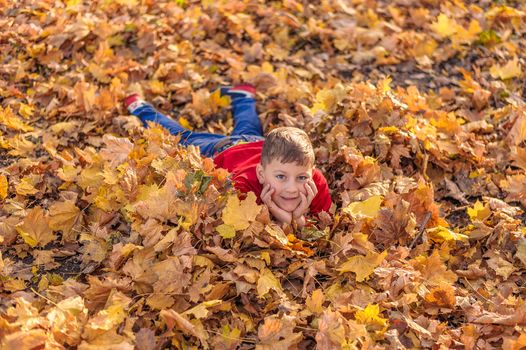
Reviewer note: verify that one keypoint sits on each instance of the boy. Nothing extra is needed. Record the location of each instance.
(279, 169)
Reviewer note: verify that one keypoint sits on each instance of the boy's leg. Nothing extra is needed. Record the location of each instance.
(147, 113)
(246, 120)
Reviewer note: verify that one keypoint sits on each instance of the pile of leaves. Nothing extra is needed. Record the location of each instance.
(113, 236)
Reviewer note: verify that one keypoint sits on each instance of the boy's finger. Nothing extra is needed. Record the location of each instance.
(313, 186)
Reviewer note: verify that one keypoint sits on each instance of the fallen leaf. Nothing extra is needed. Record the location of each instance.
(3, 187)
(512, 69)
(362, 266)
(368, 208)
(267, 281)
(238, 214)
(35, 229)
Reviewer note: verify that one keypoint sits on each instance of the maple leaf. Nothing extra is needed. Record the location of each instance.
(444, 26)
(443, 234)
(8, 118)
(366, 209)
(64, 216)
(370, 316)
(511, 69)
(362, 266)
(267, 281)
(117, 149)
(442, 295)
(315, 301)
(479, 212)
(67, 320)
(277, 333)
(35, 229)
(238, 214)
(433, 270)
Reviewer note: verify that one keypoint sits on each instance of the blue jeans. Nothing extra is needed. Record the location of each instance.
(247, 127)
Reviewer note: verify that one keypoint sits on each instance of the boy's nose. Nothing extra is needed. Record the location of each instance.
(291, 188)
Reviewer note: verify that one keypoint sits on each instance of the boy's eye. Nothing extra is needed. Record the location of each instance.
(280, 177)
(303, 178)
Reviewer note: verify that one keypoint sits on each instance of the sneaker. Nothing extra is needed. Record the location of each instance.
(237, 91)
(132, 102)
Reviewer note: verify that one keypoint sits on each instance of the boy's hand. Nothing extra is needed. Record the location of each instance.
(306, 200)
(277, 212)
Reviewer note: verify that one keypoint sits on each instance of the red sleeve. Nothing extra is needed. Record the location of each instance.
(322, 201)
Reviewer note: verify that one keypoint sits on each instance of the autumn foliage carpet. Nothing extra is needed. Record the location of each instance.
(114, 237)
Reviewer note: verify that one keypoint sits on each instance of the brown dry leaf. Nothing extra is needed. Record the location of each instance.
(177, 321)
(276, 333)
(433, 270)
(442, 295)
(117, 149)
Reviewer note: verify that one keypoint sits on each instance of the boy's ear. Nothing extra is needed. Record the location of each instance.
(260, 173)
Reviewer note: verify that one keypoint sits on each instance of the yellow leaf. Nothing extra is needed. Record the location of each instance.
(444, 26)
(63, 216)
(8, 118)
(362, 266)
(35, 228)
(265, 256)
(20, 146)
(68, 173)
(3, 187)
(13, 285)
(157, 87)
(442, 234)
(315, 302)
(238, 214)
(185, 123)
(201, 310)
(366, 209)
(218, 101)
(327, 99)
(26, 186)
(26, 111)
(226, 231)
(266, 282)
(512, 69)
(471, 34)
(479, 212)
(67, 127)
(370, 316)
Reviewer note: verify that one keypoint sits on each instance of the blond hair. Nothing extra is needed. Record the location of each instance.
(287, 145)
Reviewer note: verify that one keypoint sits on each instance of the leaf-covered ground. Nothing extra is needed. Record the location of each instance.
(113, 237)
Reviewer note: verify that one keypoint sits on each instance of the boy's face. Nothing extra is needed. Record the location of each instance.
(287, 179)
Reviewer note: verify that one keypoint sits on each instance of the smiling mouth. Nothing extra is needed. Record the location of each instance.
(289, 199)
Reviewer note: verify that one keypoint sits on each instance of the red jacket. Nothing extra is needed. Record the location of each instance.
(241, 161)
